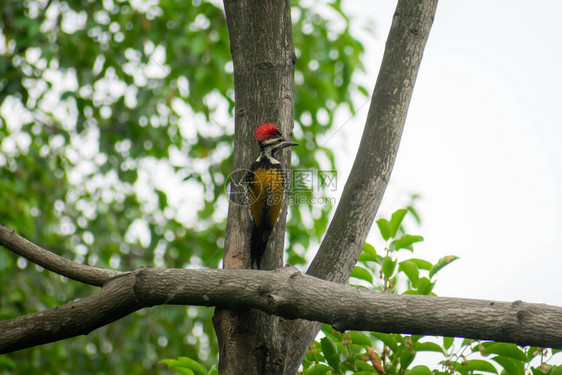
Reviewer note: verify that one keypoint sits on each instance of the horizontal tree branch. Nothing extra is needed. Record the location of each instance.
(52, 262)
(288, 293)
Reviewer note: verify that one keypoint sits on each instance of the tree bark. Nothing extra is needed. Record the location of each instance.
(288, 293)
(261, 43)
(263, 56)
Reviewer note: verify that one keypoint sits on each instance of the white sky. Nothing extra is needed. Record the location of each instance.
(482, 145)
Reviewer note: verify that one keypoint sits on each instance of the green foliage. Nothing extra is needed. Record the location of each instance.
(394, 354)
(188, 366)
(116, 129)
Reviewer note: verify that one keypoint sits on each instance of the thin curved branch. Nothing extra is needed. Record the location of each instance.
(373, 164)
(52, 262)
(289, 294)
(375, 157)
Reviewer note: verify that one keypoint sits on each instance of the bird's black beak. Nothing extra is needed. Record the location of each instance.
(289, 143)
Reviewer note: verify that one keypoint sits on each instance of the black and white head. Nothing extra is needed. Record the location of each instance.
(270, 140)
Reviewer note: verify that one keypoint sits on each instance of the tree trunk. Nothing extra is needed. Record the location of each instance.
(261, 43)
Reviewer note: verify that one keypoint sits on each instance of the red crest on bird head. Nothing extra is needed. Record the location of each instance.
(266, 131)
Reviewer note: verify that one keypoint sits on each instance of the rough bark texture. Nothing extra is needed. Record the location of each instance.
(263, 56)
(288, 293)
(373, 164)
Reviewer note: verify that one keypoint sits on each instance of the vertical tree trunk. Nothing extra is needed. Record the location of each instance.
(261, 44)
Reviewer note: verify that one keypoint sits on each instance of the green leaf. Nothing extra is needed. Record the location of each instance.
(537, 371)
(387, 339)
(419, 370)
(396, 221)
(511, 366)
(425, 286)
(441, 263)
(185, 363)
(363, 91)
(384, 228)
(557, 370)
(359, 338)
(411, 270)
(370, 249)
(192, 365)
(406, 358)
(369, 254)
(330, 352)
(427, 347)
(173, 364)
(421, 263)
(328, 330)
(388, 266)
(364, 257)
(448, 342)
(476, 365)
(361, 365)
(317, 369)
(406, 241)
(506, 350)
(361, 273)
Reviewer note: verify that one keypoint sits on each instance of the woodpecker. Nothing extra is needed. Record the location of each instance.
(266, 188)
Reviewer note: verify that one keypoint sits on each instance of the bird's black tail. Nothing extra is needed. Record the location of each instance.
(258, 243)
